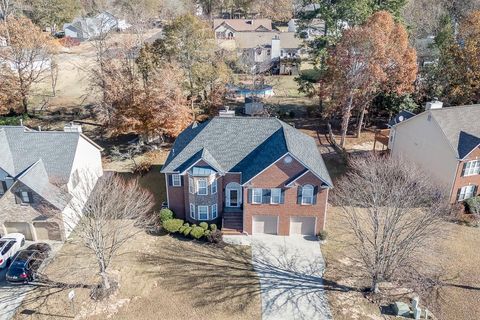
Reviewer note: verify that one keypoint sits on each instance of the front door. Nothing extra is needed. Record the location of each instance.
(232, 198)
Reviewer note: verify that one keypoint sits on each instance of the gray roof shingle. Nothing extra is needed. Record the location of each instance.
(244, 144)
(461, 126)
(24, 147)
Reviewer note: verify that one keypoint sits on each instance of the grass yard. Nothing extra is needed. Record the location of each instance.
(454, 256)
(159, 277)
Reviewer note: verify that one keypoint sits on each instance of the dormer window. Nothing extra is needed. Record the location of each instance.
(25, 197)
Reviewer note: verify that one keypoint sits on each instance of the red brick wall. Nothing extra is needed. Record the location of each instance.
(176, 198)
(465, 181)
(276, 177)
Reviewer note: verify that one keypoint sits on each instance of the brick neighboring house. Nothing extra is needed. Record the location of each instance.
(446, 143)
(250, 175)
(43, 174)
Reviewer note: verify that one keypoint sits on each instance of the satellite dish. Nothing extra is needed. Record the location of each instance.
(401, 118)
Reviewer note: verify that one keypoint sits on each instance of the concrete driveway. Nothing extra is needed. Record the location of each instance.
(290, 271)
(11, 296)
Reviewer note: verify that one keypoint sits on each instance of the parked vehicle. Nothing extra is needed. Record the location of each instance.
(43, 249)
(24, 266)
(9, 246)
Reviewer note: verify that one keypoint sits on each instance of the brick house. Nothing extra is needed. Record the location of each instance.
(250, 175)
(446, 143)
(41, 172)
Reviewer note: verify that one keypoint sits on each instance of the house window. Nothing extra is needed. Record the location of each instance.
(257, 195)
(176, 180)
(214, 186)
(202, 212)
(25, 197)
(214, 212)
(276, 195)
(307, 194)
(467, 192)
(472, 168)
(191, 186)
(202, 187)
(192, 211)
(3, 187)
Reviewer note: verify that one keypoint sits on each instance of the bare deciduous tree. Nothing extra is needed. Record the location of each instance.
(115, 212)
(392, 209)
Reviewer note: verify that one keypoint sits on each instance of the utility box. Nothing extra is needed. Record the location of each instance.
(401, 309)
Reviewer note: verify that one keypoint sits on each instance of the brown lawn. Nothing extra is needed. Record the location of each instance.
(159, 277)
(454, 256)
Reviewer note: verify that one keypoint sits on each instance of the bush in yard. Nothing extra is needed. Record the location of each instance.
(187, 231)
(473, 205)
(166, 214)
(207, 233)
(215, 236)
(322, 235)
(197, 232)
(182, 228)
(173, 225)
(204, 225)
(213, 227)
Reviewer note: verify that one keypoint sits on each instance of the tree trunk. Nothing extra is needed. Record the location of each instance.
(374, 287)
(104, 275)
(360, 121)
(345, 119)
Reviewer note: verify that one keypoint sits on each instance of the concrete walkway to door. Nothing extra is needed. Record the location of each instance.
(290, 271)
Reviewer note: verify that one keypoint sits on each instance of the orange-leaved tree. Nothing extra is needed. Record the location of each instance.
(25, 61)
(369, 59)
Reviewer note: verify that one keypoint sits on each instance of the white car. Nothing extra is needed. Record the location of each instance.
(10, 244)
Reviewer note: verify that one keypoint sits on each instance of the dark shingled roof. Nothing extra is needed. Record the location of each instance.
(244, 144)
(461, 126)
(39, 159)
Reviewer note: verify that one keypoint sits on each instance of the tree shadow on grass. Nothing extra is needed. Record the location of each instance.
(213, 275)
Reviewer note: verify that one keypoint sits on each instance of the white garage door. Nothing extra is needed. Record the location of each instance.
(19, 227)
(47, 230)
(265, 224)
(302, 226)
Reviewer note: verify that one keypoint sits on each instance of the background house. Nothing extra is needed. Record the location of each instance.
(43, 177)
(446, 143)
(248, 174)
(86, 28)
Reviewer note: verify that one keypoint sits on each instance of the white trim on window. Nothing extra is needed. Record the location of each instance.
(472, 168)
(202, 189)
(176, 180)
(307, 194)
(192, 211)
(214, 212)
(25, 197)
(275, 195)
(191, 185)
(467, 192)
(202, 212)
(214, 186)
(258, 194)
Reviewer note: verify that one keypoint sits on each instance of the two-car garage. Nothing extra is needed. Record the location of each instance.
(269, 224)
(35, 231)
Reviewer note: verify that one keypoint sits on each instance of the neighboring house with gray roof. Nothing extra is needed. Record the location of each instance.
(248, 175)
(446, 143)
(87, 28)
(42, 174)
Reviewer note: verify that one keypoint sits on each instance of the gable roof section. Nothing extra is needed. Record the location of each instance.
(242, 25)
(248, 40)
(244, 144)
(461, 126)
(56, 148)
(36, 178)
